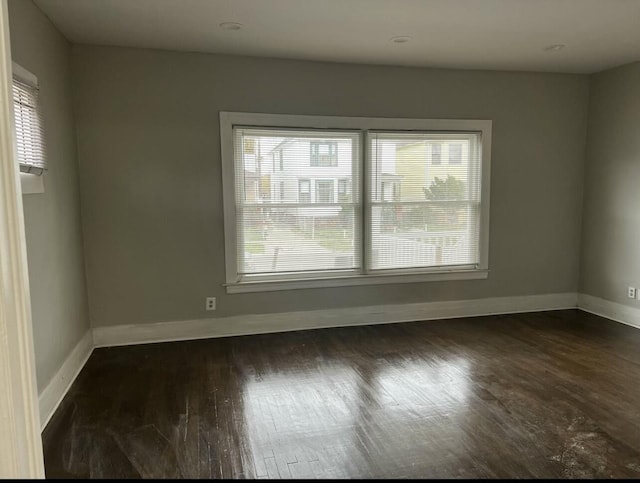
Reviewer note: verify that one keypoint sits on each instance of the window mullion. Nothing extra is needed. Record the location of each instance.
(365, 196)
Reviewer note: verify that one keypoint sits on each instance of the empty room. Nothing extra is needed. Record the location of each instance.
(320, 239)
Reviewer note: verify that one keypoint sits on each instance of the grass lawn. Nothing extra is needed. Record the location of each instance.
(253, 242)
(254, 247)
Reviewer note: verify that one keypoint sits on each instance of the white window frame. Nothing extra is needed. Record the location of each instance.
(30, 183)
(364, 124)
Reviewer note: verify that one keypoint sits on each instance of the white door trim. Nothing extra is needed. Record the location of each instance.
(20, 440)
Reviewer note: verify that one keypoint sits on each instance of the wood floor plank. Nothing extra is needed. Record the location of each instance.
(538, 395)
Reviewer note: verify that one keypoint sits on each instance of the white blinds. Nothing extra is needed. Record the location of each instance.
(297, 200)
(28, 125)
(424, 200)
(299, 211)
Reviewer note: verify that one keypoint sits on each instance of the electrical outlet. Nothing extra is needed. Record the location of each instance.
(632, 292)
(210, 303)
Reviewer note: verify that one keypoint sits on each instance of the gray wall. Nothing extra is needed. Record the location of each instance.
(148, 141)
(610, 248)
(52, 219)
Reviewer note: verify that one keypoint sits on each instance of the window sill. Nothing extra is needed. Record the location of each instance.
(31, 184)
(353, 280)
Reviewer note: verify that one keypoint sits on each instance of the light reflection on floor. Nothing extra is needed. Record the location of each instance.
(349, 405)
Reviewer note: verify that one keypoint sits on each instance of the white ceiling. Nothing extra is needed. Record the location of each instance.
(477, 34)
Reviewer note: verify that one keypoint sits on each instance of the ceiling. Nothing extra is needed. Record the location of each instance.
(476, 34)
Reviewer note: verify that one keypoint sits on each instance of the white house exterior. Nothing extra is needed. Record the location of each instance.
(310, 171)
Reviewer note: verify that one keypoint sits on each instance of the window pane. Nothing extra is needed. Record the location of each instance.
(410, 236)
(404, 163)
(424, 213)
(29, 136)
(275, 234)
(298, 239)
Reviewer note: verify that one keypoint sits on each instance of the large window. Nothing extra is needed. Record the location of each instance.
(359, 202)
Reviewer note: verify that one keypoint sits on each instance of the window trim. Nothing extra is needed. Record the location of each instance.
(364, 124)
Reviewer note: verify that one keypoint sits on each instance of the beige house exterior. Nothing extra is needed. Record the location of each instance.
(419, 163)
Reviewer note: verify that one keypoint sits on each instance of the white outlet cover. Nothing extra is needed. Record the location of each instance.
(210, 303)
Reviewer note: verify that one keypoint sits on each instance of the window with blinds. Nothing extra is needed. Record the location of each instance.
(28, 127)
(290, 216)
(356, 203)
(423, 213)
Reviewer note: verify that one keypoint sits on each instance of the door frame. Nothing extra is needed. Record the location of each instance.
(20, 437)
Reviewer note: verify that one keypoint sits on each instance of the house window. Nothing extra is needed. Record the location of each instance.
(324, 153)
(29, 135)
(436, 153)
(281, 158)
(455, 153)
(396, 191)
(343, 190)
(304, 191)
(324, 191)
(414, 224)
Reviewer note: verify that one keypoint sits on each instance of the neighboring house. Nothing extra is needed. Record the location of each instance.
(311, 171)
(427, 160)
(306, 171)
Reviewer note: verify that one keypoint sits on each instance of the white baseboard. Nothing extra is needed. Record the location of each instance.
(610, 310)
(52, 395)
(282, 322)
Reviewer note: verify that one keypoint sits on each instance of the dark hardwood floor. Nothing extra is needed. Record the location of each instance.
(554, 394)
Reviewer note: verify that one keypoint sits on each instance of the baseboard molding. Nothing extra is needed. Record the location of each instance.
(52, 395)
(283, 322)
(610, 310)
